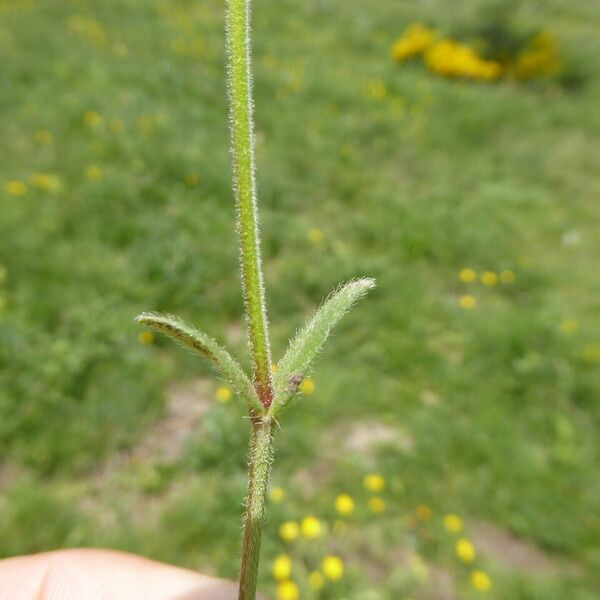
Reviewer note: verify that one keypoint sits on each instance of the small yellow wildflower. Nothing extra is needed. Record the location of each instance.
(569, 326)
(591, 352)
(377, 90)
(424, 512)
(481, 581)
(467, 302)
(489, 278)
(307, 386)
(344, 504)
(288, 590)
(507, 276)
(374, 482)
(376, 505)
(94, 173)
(146, 123)
(316, 580)
(192, 180)
(146, 337)
(116, 125)
(45, 181)
(15, 188)
(452, 59)
(453, 523)
(43, 136)
(92, 119)
(315, 235)
(467, 275)
(277, 495)
(289, 531)
(333, 567)
(282, 567)
(223, 394)
(311, 527)
(465, 550)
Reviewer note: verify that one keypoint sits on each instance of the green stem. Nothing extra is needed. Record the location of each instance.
(261, 442)
(240, 83)
(260, 460)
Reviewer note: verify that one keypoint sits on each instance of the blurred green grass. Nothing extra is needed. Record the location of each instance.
(410, 185)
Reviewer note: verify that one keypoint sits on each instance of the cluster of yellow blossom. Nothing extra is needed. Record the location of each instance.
(416, 39)
(540, 58)
(488, 278)
(453, 59)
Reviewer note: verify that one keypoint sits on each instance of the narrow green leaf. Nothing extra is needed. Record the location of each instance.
(207, 347)
(308, 342)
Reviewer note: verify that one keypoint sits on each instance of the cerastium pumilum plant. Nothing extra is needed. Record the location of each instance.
(267, 391)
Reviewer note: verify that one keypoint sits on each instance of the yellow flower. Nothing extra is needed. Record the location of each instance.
(288, 590)
(467, 275)
(94, 173)
(92, 119)
(223, 394)
(344, 504)
(146, 337)
(316, 581)
(43, 136)
(376, 504)
(481, 581)
(569, 326)
(307, 386)
(453, 523)
(311, 527)
(289, 531)
(591, 352)
(116, 125)
(333, 567)
(415, 40)
(15, 188)
(424, 512)
(539, 59)
(467, 302)
(489, 278)
(277, 495)
(377, 90)
(315, 235)
(507, 277)
(192, 180)
(282, 567)
(465, 550)
(374, 482)
(45, 181)
(451, 59)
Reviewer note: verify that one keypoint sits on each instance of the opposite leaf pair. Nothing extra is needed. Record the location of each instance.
(292, 368)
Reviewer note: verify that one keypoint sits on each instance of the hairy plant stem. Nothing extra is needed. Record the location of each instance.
(261, 440)
(240, 88)
(259, 467)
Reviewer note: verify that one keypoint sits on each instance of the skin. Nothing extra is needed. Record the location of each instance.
(83, 574)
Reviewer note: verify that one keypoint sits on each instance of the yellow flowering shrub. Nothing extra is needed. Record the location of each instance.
(540, 58)
(415, 40)
(450, 58)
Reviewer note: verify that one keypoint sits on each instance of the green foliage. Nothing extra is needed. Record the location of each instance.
(309, 341)
(410, 188)
(209, 349)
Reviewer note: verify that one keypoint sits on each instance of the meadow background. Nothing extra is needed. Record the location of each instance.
(115, 198)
